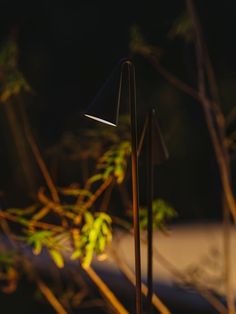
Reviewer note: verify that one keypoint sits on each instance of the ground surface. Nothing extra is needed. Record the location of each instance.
(192, 250)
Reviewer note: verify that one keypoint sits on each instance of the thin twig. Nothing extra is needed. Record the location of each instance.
(48, 294)
(159, 305)
(43, 168)
(38, 224)
(206, 104)
(99, 191)
(38, 156)
(108, 294)
(219, 143)
(184, 87)
(107, 197)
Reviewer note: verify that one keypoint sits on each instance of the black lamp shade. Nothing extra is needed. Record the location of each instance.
(159, 150)
(106, 104)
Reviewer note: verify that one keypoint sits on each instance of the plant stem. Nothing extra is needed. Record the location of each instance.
(107, 197)
(159, 305)
(38, 224)
(219, 145)
(43, 168)
(48, 294)
(99, 191)
(108, 294)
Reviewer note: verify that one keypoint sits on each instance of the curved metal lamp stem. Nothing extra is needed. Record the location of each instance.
(135, 185)
(111, 118)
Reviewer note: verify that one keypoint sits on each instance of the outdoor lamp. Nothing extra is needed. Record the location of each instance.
(108, 113)
(156, 153)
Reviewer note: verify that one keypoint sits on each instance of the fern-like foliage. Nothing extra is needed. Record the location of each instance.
(162, 212)
(114, 162)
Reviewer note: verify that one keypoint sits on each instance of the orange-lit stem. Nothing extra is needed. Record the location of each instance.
(135, 187)
(150, 214)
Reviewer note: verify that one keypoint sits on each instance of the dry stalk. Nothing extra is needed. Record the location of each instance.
(48, 294)
(42, 225)
(99, 191)
(157, 303)
(216, 128)
(107, 293)
(218, 143)
(43, 168)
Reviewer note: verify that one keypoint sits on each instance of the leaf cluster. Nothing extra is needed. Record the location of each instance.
(12, 81)
(114, 162)
(162, 212)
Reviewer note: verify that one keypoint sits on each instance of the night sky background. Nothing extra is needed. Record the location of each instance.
(68, 48)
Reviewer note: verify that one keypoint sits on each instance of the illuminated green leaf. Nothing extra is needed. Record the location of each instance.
(57, 258)
(37, 247)
(75, 255)
(162, 211)
(95, 178)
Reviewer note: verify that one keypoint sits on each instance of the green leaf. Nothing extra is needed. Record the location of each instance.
(95, 178)
(139, 45)
(105, 217)
(108, 172)
(76, 254)
(101, 244)
(39, 236)
(37, 247)
(182, 27)
(57, 258)
(95, 235)
(119, 173)
(88, 217)
(162, 212)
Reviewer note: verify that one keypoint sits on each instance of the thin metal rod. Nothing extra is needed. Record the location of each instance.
(144, 131)
(135, 186)
(150, 212)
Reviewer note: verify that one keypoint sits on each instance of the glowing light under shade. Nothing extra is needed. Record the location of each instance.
(100, 120)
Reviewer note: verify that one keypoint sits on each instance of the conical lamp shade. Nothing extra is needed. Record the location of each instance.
(106, 104)
(159, 150)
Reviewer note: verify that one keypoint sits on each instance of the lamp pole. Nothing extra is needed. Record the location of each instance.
(109, 115)
(135, 185)
(150, 211)
(156, 153)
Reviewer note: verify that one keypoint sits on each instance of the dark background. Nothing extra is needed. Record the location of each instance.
(68, 48)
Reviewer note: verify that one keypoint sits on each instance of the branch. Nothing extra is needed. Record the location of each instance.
(108, 294)
(99, 191)
(48, 294)
(38, 156)
(43, 168)
(175, 81)
(158, 304)
(38, 224)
